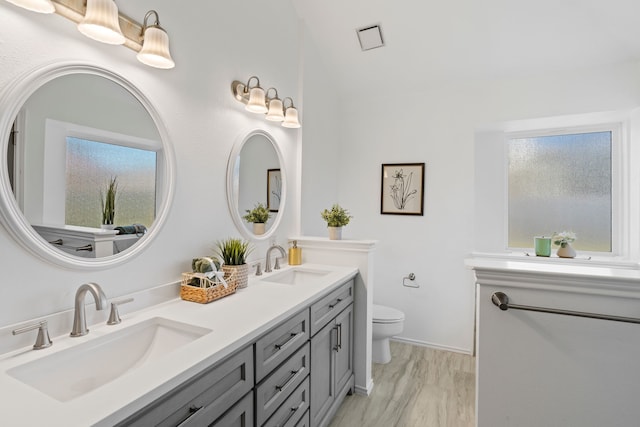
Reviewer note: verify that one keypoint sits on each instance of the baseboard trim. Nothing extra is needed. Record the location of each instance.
(364, 391)
(433, 345)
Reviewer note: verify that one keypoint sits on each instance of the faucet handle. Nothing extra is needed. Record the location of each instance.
(258, 269)
(42, 340)
(114, 316)
(276, 266)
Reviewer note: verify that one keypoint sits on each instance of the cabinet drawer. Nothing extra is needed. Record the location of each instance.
(202, 399)
(276, 387)
(241, 415)
(328, 307)
(281, 342)
(305, 421)
(293, 409)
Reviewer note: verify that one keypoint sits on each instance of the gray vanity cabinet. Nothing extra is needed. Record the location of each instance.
(203, 399)
(332, 361)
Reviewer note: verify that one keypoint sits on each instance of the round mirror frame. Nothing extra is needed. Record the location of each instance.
(14, 95)
(232, 196)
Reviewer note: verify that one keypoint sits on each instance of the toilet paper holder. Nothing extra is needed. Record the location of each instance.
(411, 278)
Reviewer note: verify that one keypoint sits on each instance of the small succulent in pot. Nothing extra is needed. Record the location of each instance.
(259, 214)
(563, 238)
(233, 251)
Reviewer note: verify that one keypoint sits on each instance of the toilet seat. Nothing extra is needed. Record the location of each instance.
(384, 314)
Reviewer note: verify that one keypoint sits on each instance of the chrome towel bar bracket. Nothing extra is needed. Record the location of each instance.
(501, 300)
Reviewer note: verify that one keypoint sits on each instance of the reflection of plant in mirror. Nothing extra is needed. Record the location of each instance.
(336, 217)
(259, 214)
(108, 201)
(233, 251)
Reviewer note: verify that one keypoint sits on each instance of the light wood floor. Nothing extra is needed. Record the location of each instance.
(420, 387)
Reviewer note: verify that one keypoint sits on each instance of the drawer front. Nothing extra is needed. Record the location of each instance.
(278, 386)
(305, 421)
(293, 409)
(241, 415)
(276, 346)
(328, 307)
(205, 397)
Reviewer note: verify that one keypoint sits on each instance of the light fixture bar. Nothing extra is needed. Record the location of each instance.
(75, 10)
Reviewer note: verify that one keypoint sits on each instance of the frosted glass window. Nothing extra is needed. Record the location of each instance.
(91, 164)
(561, 182)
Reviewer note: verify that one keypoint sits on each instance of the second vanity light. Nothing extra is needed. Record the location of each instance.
(100, 20)
(258, 101)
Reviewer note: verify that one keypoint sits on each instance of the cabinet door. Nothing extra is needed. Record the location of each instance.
(322, 372)
(344, 350)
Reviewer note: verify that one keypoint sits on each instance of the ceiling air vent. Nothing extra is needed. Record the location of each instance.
(370, 37)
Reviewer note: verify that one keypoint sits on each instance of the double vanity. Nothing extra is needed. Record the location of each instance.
(279, 352)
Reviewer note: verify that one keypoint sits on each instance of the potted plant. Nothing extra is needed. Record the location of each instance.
(108, 203)
(337, 217)
(233, 253)
(259, 215)
(564, 240)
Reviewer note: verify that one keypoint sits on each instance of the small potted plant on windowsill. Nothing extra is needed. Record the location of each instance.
(564, 240)
(108, 203)
(233, 252)
(336, 218)
(259, 215)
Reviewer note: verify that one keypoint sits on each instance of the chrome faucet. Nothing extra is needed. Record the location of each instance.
(267, 264)
(79, 318)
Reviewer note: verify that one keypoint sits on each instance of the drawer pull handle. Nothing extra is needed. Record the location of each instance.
(291, 413)
(291, 338)
(192, 411)
(335, 348)
(339, 336)
(291, 377)
(339, 300)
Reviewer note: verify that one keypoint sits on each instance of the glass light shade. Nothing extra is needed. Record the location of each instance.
(275, 111)
(155, 49)
(101, 22)
(40, 6)
(257, 102)
(291, 118)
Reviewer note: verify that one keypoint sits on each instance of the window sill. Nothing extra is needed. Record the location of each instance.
(580, 260)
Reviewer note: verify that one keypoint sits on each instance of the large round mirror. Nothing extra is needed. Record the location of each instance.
(88, 174)
(256, 185)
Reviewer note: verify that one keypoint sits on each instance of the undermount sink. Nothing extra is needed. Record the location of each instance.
(297, 275)
(75, 371)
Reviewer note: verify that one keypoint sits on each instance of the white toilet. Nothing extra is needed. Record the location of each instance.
(387, 322)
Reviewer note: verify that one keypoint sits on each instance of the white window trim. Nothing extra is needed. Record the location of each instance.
(619, 179)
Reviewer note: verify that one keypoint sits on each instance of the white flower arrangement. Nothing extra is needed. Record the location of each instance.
(563, 238)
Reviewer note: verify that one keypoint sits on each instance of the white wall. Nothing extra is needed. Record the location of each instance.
(212, 44)
(436, 123)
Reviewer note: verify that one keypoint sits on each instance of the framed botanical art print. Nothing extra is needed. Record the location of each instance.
(402, 189)
(274, 189)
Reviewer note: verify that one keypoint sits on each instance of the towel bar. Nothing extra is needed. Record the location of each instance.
(501, 300)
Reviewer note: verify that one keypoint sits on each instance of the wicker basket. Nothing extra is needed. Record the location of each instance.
(208, 289)
(238, 273)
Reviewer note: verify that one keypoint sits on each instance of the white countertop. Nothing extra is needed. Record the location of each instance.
(235, 321)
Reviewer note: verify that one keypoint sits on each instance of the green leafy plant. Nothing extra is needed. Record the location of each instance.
(563, 238)
(336, 216)
(108, 201)
(259, 214)
(233, 251)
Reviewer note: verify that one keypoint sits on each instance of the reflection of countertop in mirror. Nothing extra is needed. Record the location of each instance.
(235, 321)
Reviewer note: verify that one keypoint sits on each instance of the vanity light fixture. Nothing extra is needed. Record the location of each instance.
(275, 113)
(155, 45)
(40, 6)
(100, 20)
(257, 101)
(290, 116)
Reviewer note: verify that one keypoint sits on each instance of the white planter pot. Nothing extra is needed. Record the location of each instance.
(258, 228)
(566, 251)
(335, 233)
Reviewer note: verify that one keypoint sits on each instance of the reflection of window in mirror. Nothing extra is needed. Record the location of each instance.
(89, 167)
